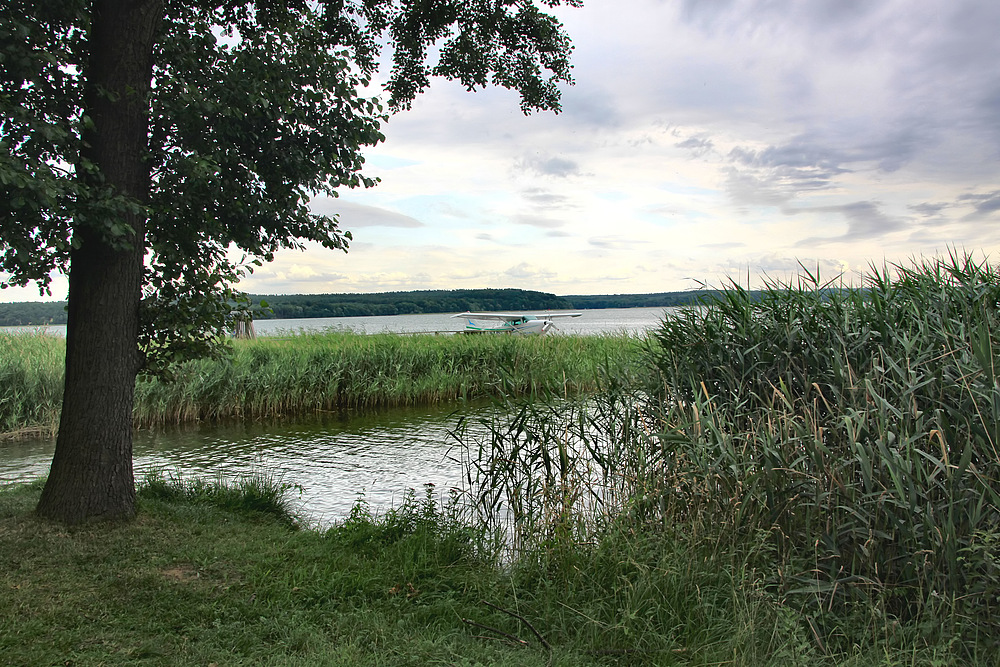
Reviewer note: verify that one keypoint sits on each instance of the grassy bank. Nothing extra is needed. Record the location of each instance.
(199, 578)
(309, 373)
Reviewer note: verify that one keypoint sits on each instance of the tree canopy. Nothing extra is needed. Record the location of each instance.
(154, 150)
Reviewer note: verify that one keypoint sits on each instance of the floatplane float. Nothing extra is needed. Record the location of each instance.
(519, 323)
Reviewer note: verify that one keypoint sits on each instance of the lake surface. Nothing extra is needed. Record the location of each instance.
(334, 458)
(604, 320)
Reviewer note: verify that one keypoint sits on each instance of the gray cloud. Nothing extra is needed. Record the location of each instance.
(536, 221)
(545, 199)
(813, 162)
(865, 221)
(840, 17)
(354, 216)
(776, 175)
(551, 166)
(929, 209)
(984, 205)
(698, 146)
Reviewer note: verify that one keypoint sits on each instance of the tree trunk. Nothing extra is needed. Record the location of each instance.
(91, 475)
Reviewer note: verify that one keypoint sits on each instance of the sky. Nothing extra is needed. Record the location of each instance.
(704, 141)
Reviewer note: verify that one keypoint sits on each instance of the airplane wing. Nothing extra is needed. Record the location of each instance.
(513, 317)
(503, 317)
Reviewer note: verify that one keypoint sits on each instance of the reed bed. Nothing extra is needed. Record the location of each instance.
(311, 373)
(271, 378)
(833, 447)
(31, 383)
(856, 427)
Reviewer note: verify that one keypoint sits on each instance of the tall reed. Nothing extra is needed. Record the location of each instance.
(843, 439)
(858, 427)
(31, 374)
(268, 378)
(309, 373)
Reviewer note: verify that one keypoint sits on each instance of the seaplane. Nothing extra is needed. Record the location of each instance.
(513, 323)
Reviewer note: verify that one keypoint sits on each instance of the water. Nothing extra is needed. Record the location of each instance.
(335, 458)
(605, 320)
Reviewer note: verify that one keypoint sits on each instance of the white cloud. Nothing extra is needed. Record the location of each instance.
(703, 138)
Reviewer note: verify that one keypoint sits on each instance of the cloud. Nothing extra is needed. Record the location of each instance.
(354, 216)
(532, 220)
(723, 246)
(544, 198)
(865, 222)
(930, 209)
(551, 166)
(984, 205)
(611, 242)
(698, 146)
(526, 272)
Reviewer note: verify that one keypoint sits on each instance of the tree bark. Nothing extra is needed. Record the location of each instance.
(91, 477)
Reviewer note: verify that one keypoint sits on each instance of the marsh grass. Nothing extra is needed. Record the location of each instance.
(858, 427)
(312, 373)
(30, 383)
(834, 447)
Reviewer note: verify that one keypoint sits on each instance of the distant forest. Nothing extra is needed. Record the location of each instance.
(290, 306)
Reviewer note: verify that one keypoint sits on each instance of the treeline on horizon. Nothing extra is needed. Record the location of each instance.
(294, 306)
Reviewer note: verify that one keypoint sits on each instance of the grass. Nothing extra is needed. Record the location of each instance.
(200, 577)
(311, 373)
(859, 428)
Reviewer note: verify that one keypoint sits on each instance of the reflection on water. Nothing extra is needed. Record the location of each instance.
(332, 458)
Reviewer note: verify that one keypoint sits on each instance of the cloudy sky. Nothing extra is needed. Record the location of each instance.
(703, 140)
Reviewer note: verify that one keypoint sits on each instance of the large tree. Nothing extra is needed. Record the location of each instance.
(154, 150)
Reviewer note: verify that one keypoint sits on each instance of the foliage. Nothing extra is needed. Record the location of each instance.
(32, 313)
(291, 306)
(654, 300)
(399, 303)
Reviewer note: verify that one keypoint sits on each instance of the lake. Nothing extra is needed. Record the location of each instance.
(333, 458)
(605, 320)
